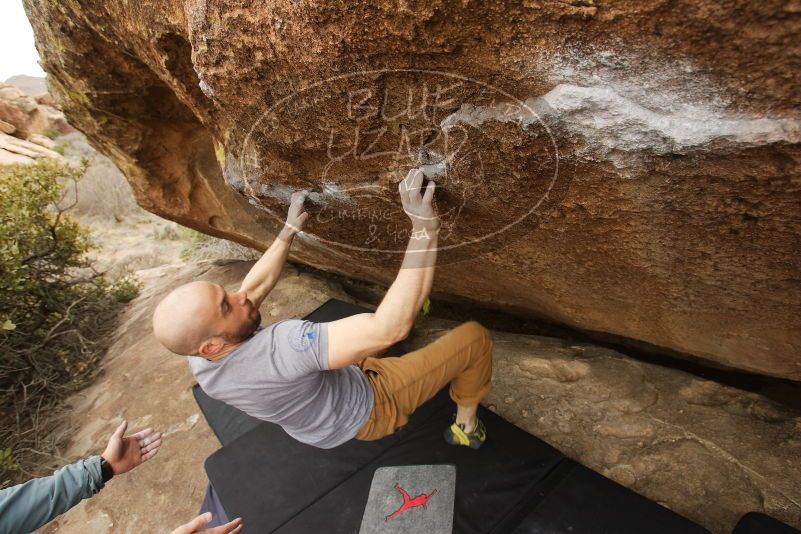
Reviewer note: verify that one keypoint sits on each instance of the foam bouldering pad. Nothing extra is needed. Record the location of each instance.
(759, 523)
(211, 503)
(514, 483)
(281, 485)
(227, 422)
(579, 500)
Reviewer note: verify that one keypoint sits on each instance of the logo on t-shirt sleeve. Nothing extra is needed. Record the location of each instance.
(301, 336)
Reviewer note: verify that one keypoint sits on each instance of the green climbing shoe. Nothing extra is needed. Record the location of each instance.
(455, 435)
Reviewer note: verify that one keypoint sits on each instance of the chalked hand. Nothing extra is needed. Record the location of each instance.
(419, 206)
(296, 217)
(125, 453)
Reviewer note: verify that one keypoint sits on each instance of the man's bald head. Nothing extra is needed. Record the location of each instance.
(204, 319)
(185, 317)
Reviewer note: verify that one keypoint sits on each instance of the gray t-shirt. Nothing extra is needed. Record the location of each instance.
(281, 375)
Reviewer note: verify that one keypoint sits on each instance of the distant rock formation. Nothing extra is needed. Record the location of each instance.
(32, 86)
(629, 169)
(13, 150)
(29, 116)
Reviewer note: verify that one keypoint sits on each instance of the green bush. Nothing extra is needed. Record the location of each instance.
(125, 289)
(61, 148)
(55, 310)
(52, 133)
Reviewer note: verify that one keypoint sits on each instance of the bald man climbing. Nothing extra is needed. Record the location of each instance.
(325, 383)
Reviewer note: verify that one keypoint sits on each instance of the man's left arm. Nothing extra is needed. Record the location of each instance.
(263, 276)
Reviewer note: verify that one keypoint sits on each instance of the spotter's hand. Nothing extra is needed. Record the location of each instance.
(194, 526)
(125, 453)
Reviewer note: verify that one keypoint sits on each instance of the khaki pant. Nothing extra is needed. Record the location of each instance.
(401, 384)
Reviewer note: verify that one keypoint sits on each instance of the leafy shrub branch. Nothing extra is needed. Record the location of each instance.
(56, 311)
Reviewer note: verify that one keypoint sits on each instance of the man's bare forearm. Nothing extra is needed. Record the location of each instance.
(265, 273)
(412, 286)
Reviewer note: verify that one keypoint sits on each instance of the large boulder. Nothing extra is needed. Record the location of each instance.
(630, 170)
(13, 150)
(27, 115)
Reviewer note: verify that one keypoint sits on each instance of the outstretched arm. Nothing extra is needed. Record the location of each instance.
(352, 339)
(28, 506)
(406, 295)
(264, 274)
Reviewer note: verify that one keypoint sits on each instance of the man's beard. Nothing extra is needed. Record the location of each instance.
(246, 330)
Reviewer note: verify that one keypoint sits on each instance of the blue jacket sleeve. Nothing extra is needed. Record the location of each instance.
(28, 506)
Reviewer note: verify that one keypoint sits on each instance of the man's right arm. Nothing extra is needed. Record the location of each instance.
(354, 338)
(412, 286)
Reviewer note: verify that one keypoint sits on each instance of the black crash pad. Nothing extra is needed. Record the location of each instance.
(227, 422)
(758, 523)
(515, 483)
(280, 485)
(577, 499)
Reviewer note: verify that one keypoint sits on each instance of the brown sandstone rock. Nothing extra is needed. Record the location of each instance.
(629, 169)
(7, 128)
(47, 100)
(27, 116)
(42, 140)
(33, 86)
(26, 149)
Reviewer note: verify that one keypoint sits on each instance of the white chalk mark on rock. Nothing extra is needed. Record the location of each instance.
(618, 129)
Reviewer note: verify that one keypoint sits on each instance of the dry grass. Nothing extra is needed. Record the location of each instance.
(204, 247)
(103, 192)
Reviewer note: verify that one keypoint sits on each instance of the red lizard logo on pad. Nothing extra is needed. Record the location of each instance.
(420, 500)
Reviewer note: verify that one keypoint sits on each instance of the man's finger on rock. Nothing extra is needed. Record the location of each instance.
(412, 180)
(429, 194)
(409, 178)
(417, 182)
(300, 196)
(404, 194)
